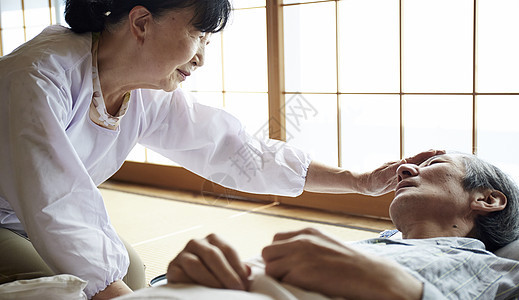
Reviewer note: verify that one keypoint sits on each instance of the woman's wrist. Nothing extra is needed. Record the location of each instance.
(115, 289)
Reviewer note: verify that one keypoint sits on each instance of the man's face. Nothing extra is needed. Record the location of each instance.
(431, 192)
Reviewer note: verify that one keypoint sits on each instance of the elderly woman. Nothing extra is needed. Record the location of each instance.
(76, 101)
(452, 210)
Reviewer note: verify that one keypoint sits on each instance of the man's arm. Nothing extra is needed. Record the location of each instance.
(307, 259)
(310, 260)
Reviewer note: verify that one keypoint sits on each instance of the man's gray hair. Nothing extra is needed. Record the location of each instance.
(499, 228)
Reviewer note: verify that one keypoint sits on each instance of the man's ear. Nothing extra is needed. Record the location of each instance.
(139, 19)
(488, 201)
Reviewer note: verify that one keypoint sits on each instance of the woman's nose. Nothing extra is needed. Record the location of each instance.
(199, 59)
(407, 170)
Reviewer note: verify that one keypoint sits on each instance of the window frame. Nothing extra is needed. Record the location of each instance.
(54, 8)
(277, 95)
(160, 175)
(352, 204)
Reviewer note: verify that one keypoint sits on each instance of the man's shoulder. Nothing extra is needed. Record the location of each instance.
(446, 243)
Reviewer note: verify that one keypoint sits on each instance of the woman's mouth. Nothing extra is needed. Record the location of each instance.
(183, 74)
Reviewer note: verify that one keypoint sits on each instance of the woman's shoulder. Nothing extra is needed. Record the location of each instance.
(56, 48)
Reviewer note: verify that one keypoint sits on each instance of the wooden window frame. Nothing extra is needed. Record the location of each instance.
(51, 21)
(179, 178)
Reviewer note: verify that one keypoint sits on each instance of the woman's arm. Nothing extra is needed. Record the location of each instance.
(214, 144)
(51, 191)
(321, 178)
(116, 289)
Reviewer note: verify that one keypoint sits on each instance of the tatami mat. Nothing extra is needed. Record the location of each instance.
(158, 228)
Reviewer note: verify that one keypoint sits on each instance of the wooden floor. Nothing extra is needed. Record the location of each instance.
(158, 223)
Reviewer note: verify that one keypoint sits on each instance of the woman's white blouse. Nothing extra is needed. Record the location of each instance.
(53, 157)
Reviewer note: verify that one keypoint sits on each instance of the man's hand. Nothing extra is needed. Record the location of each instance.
(313, 261)
(210, 262)
(383, 179)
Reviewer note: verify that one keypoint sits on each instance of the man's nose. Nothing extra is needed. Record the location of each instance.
(407, 170)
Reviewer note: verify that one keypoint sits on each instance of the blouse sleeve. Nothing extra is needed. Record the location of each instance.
(213, 144)
(50, 190)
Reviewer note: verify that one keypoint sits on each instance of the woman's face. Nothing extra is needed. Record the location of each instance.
(174, 48)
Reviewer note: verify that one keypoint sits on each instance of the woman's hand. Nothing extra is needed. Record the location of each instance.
(313, 261)
(321, 178)
(383, 179)
(210, 262)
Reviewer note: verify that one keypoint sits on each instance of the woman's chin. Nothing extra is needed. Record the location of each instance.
(171, 87)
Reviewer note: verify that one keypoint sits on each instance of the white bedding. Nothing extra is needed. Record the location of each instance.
(262, 288)
(59, 287)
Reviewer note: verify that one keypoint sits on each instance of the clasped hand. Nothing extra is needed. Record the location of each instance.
(307, 259)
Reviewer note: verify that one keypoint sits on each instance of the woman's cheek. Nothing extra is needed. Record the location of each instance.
(191, 48)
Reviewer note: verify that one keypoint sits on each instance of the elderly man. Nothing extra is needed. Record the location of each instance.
(452, 210)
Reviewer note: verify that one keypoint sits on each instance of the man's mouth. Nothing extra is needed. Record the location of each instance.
(403, 184)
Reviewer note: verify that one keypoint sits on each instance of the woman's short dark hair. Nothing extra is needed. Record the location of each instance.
(96, 15)
(496, 229)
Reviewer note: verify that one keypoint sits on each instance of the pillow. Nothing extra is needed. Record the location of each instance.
(66, 287)
(510, 251)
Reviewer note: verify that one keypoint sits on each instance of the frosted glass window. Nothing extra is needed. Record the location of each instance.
(498, 46)
(370, 130)
(245, 52)
(58, 12)
(369, 47)
(437, 122)
(310, 48)
(236, 4)
(37, 13)
(311, 125)
(438, 46)
(498, 131)
(250, 108)
(12, 14)
(11, 39)
(209, 76)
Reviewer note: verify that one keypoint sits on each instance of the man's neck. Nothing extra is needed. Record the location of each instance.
(425, 230)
